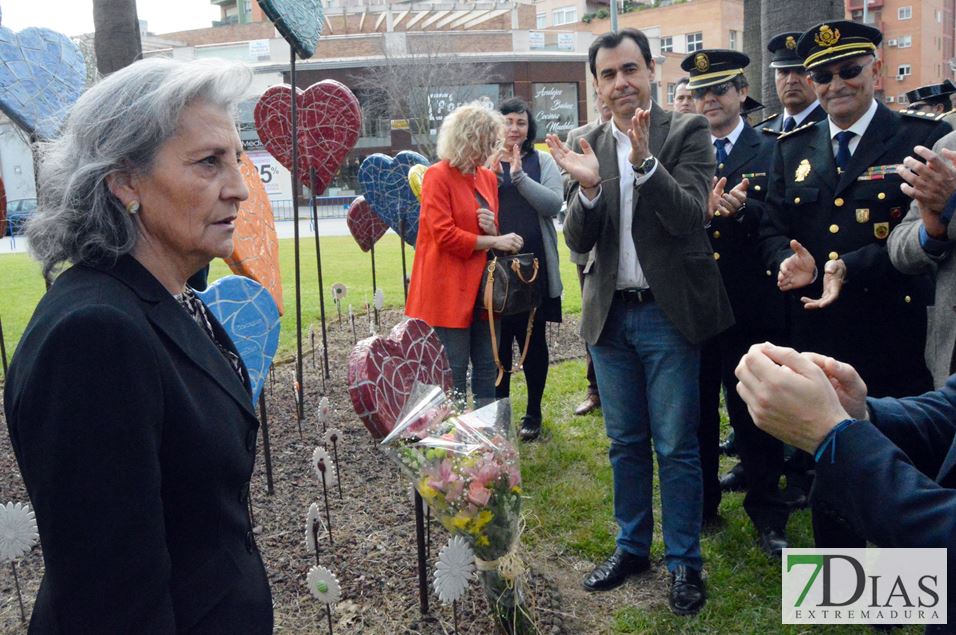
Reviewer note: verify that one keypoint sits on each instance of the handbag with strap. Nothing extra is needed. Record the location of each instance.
(508, 287)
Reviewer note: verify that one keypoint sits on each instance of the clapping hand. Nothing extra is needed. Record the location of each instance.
(931, 184)
(834, 275)
(581, 166)
(790, 396)
(798, 270)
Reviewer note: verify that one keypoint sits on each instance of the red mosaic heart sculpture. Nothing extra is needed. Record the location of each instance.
(329, 119)
(366, 226)
(382, 372)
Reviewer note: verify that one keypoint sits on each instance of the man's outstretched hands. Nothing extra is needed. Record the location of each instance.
(791, 397)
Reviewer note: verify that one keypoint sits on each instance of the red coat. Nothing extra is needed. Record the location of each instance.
(447, 270)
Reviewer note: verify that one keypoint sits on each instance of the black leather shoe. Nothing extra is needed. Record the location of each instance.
(615, 570)
(530, 428)
(590, 403)
(733, 481)
(772, 542)
(687, 594)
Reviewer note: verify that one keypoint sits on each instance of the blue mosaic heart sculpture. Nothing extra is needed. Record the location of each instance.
(387, 190)
(247, 311)
(299, 21)
(42, 74)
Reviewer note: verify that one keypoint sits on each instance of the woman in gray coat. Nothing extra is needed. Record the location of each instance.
(530, 192)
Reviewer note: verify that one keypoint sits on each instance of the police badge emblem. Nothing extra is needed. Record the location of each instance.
(802, 171)
(702, 62)
(881, 230)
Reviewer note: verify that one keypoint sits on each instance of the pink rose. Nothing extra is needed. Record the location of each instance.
(478, 494)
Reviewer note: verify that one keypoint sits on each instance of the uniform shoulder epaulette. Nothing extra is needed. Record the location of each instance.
(770, 118)
(941, 116)
(800, 128)
(919, 114)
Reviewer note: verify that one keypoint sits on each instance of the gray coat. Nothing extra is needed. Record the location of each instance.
(668, 229)
(909, 257)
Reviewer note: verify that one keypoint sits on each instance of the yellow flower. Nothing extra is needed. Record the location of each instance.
(461, 520)
(481, 520)
(516, 490)
(428, 492)
(482, 541)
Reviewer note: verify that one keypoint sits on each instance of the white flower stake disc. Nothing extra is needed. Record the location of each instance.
(322, 462)
(379, 299)
(332, 436)
(323, 585)
(456, 563)
(339, 291)
(18, 531)
(311, 519)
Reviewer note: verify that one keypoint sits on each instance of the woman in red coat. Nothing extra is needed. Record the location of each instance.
(458, 224)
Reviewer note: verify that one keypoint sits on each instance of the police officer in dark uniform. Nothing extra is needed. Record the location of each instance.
(720, 93)
(834, 198)
(800, 104)
(934, 99)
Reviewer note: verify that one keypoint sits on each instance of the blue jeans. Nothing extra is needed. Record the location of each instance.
(474, 344)
(648, 379)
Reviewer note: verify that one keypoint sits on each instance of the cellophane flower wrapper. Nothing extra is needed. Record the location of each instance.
(466, 469)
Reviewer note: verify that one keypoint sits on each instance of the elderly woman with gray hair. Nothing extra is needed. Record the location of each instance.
(128, 407)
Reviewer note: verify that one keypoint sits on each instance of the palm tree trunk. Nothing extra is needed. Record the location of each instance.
(116, 41)
(777, 17)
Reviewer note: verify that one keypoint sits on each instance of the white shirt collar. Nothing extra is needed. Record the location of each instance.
(734, 134)
(803, 114)
(859, 126)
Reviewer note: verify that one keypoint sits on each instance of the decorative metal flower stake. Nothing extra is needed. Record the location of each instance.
(18, 534)
(332, 436)
(339, 291)
(352, 321)
(325, 588)
(313, 526)
(455, 566)
(325, 471)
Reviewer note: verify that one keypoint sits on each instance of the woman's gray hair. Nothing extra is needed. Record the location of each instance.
(117, 126)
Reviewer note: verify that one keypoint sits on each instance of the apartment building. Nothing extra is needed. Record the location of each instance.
(917, 47)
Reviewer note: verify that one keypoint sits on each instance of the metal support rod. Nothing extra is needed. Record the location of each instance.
(420, 539)
(318, 267)
(266, 447)
(401, 237)
(295, 230)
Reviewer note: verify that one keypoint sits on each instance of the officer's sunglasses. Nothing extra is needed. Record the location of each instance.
(845, 73)
(718, 90)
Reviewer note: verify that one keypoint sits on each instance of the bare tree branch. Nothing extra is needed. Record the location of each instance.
(421, 85)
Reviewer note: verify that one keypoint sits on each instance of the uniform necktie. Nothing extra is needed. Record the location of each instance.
(789, 123)
(721, 145)
(843, 149)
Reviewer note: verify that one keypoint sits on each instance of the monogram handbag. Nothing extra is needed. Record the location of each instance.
(508, 287)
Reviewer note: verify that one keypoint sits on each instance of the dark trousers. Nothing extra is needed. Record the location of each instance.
(515, 328)
(760, 454)
(592, 378)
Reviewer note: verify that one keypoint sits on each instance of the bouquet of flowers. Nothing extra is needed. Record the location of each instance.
(465, 466)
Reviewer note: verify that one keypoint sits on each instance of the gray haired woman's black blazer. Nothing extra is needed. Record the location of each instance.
(136, 441)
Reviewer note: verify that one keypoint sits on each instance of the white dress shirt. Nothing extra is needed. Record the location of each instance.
(629, 272)
(859, 127)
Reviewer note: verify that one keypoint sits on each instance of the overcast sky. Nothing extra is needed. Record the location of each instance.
(74, 17)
